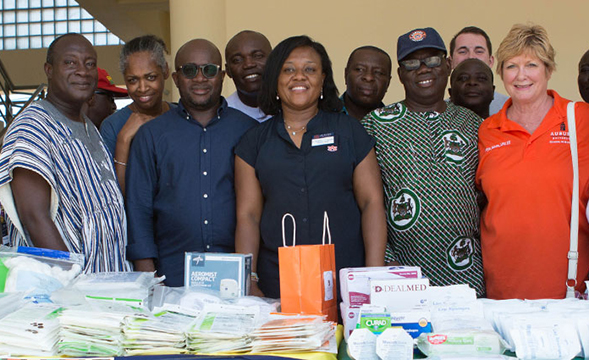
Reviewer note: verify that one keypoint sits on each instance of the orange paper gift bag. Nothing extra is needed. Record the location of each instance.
(307, 275)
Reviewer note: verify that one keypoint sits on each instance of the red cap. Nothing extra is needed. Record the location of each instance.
(105, 83)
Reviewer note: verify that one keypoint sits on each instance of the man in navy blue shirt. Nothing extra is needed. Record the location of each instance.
(180, 194)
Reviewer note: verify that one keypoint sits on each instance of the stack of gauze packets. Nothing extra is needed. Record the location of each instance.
(222, 328)
(32, 330)
(295, 333)
(94, 329)
(162, 333)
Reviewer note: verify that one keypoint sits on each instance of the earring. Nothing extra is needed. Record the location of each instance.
(277, 97)
(321, 97)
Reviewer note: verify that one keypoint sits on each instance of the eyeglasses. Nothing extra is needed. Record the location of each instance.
(190, 70)
(414, 64)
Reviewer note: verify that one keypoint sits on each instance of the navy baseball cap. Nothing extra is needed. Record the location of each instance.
(419, 39)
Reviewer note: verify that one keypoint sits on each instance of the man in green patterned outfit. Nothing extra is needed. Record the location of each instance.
(427, 151)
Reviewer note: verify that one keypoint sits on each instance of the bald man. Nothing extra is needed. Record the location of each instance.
(246, 55)
(57, 183)
(181, 168)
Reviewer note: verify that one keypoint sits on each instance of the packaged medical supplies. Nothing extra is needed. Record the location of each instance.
(32, 330)
(350, 316)
(355, 282)
(400, 294)
(227, 273)
(456, 307)
(222, 328)
(414, 322)
(94, 329)
(541, 329)
(160, 333)
(394, 344)
(461, 342)
(37, 271)
(128, 287)
(295, 333)
(307, 275)
(362, 345)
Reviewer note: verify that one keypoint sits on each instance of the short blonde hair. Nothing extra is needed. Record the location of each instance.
(530, 39)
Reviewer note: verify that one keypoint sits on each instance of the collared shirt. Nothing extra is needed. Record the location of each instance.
(527, 179)
(180, 194)
(345, 111)
(86, 204)
(112, 125)
(428, 162)
(306, 182)
(254, 112)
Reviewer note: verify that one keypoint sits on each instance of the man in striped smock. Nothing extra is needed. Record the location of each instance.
(57, 183)
(427, 151)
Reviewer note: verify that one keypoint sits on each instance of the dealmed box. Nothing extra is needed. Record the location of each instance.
(400, 294)
(227, 273)
(355, 282)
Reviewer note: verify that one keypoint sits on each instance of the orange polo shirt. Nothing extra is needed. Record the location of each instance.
(527, 179)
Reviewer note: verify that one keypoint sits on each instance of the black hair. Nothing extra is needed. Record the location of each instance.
(149, 43)
(267, 96)
(372, 48)
(465, 62)
(51, 49)
(471, 30)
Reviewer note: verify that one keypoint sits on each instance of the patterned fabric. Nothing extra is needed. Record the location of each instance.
(87, 205)
(428, 162)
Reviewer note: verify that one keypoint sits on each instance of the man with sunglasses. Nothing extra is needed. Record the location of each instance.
(427, 151)
(180, 194)
(102, 103)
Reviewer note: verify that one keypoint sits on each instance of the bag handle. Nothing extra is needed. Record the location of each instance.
(294, 230)
(326, 227)
(573, 254)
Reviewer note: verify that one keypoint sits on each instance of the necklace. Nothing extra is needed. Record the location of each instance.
(294, 132)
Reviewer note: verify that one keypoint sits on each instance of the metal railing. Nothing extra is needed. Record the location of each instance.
(11, 107)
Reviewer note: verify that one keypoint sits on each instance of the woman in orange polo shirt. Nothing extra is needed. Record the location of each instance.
(525, 171)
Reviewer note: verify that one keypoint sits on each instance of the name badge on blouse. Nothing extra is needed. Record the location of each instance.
(323, 139)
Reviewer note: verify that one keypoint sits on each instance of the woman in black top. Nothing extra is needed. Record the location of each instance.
(309, 158)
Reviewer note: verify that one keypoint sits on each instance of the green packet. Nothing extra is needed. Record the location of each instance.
(376, 323)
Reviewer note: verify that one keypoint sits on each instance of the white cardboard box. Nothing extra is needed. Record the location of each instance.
(355, 282)
(400, 294)
(227, 273)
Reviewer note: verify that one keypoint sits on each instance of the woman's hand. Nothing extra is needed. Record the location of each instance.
(370, 198)
(255, 290)
(123, 146)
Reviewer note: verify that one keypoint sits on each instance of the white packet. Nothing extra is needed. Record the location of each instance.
(394, 344)
(461, 342)
(362, 345)
(548, 341)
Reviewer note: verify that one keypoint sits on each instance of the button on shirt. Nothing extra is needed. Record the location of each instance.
(180, 194)
(306, 182)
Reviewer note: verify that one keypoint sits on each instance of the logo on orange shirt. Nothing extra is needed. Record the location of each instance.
(559, 137)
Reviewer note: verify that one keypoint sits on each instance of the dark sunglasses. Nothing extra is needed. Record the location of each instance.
(190, 70)
(414, 64)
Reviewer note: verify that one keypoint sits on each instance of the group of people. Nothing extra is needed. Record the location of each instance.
(425, 181)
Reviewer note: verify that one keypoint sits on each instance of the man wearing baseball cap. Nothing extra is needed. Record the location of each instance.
(427, 151)
(102, 103)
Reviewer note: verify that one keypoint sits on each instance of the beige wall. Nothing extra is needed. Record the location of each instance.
(342, 25)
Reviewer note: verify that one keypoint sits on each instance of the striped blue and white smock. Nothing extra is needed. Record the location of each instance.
(87, 206)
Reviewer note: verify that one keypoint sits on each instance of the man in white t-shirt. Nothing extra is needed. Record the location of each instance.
(246, 55)
(473, 43)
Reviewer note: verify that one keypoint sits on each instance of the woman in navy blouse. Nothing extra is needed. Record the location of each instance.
(309, 158)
